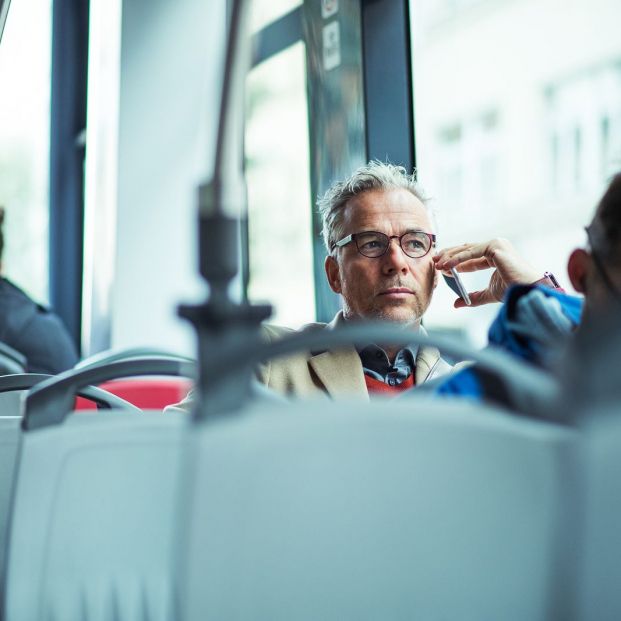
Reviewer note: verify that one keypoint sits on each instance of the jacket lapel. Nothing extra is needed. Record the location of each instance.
(427, 360)
(341, 373)
(429, 363)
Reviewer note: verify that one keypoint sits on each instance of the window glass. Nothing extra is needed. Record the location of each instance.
(263, 12)
(277, 167)
(518, 126)
(24, 143)
(100, 173)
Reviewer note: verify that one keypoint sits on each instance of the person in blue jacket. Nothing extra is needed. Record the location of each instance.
(32, 329)
(537, 319)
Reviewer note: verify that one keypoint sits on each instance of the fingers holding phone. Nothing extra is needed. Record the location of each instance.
(498, 254)
(456, 284)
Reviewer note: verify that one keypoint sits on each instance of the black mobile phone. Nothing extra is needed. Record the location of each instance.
(455, 283)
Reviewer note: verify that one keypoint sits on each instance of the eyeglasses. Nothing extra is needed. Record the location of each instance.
(372, 244)
(599, 266)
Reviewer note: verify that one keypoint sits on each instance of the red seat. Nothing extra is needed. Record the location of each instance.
(145, 393)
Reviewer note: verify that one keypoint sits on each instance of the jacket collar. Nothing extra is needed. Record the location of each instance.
(341, 372)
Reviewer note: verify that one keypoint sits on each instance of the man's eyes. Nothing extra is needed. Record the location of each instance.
(372, 243)
(415, 243)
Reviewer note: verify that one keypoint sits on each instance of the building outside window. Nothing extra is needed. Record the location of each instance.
(534, 87)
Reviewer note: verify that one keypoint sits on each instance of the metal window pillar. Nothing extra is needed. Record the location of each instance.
(70, 19)
(388, 95)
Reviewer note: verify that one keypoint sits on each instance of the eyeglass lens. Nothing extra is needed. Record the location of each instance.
(414, 244)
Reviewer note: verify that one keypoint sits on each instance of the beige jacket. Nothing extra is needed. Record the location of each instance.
(335, 373)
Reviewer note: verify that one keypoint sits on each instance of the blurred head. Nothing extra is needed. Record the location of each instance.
(390, 281)
(596, 271)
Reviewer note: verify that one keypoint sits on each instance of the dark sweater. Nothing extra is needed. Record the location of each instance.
(34, 331)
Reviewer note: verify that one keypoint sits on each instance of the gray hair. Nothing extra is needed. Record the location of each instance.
(375, 175)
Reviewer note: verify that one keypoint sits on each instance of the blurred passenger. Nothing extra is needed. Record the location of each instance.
(536, 321)
(31, 329)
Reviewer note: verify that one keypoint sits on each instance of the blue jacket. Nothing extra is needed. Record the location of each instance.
(526, 327)
(34, 331)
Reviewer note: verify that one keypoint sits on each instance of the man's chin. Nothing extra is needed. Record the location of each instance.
(402, 317)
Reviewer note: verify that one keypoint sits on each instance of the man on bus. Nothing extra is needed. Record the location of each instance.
(380, 243)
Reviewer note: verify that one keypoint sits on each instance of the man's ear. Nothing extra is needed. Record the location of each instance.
(578, 269)
(333, 274)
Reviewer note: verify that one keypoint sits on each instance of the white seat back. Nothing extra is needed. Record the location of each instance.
(341, 511)
(94, 516)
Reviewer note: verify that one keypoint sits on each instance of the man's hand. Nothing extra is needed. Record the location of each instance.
(498, 254)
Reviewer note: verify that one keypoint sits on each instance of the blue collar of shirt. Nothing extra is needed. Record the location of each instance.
(376, 364)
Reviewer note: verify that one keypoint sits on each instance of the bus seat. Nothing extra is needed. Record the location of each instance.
(129, 353)
(378, 511)
(91, 532)
(11, 403)
(12, 391)
(600, 571)
(150, 393)
(9, 441)
(11, 361)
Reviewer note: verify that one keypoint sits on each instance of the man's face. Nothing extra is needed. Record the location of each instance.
(393, 287)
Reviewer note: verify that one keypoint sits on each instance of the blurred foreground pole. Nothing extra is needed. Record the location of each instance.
(225, 328)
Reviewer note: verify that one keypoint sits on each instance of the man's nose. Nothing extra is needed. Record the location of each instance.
(394, 258)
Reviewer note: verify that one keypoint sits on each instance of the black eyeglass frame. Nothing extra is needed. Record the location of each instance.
(353, 237)
(599, 266)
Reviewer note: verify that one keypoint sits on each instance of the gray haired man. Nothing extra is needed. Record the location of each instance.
(380, 242)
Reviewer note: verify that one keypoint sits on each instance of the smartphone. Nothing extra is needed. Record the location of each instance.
(454, 282)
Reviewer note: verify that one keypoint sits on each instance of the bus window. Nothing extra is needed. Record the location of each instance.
(277, 167)
(264, 12)
(24, 143)
(517, 126)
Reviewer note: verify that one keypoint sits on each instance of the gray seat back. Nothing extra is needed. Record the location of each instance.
(93, 519)
(341, 511)
(11, 403)
(599, 579)
(10, 432)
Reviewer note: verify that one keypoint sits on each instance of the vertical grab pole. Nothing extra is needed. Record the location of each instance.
(225, 328)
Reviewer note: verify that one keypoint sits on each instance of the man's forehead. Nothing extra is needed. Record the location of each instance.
(396, 204)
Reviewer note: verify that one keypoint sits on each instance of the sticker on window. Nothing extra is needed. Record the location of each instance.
(329, 8)
(331, 45)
